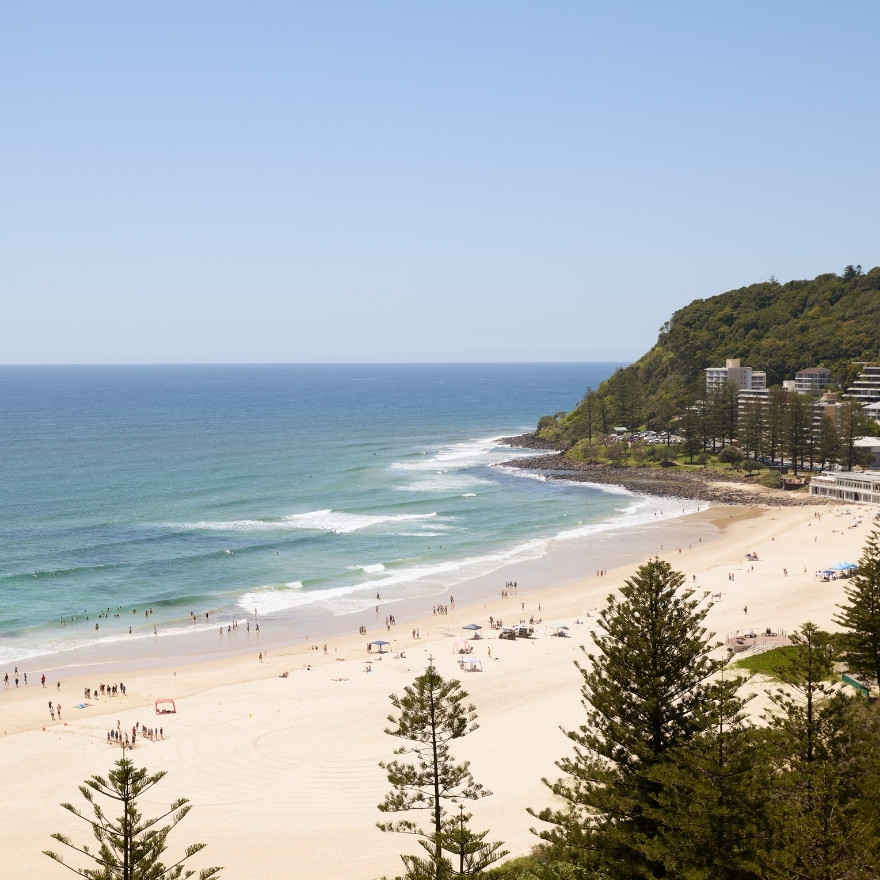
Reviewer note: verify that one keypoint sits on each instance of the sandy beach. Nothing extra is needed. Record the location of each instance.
(283, 771)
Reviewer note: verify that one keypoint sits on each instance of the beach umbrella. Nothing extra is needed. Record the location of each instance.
(380, 644)
(844, 566)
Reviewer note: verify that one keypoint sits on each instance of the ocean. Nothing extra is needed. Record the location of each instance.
(170, 500)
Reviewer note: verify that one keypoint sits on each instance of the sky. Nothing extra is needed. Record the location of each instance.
(218, 182)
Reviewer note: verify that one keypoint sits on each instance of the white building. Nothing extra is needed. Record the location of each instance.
(869, 444)
(813, 379)
(866, 388)
(744, 378)
(848, 486)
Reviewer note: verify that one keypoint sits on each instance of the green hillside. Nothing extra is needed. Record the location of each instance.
(831, 321)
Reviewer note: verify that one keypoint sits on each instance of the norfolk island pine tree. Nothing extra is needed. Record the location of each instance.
(130, 847)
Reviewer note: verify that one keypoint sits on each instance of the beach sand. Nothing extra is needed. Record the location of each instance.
(283, 771)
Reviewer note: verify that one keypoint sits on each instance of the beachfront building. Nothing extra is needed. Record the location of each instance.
(869, 446)
(813, 379)
(828, 405)
(866, 388)
(863, 488)
(743, 378)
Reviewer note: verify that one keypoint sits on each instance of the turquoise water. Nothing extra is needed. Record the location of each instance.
(297, 491)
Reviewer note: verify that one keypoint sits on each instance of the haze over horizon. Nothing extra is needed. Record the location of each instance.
(386, 182)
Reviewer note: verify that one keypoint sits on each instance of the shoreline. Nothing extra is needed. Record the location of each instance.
(609, 543)
(281, 770)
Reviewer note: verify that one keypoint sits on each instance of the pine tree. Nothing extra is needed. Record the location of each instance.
(432, 713)
(710, 806)
(807, 670)
(641, 691)
(469, 851)
(861, 613)
(130, 847)
(817, 826)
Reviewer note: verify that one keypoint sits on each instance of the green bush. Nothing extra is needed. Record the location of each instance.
(772, 480)
(730, 455)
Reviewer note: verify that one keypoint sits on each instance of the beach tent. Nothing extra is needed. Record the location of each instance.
(474, 628)
(460, 646)
(380, 645)
(471, 665)
(844, 566)
(165, 707)
(559, 631)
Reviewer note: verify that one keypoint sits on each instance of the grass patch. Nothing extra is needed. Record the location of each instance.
(767, 662)
(770, 662)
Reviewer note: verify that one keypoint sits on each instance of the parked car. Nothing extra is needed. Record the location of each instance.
(506, 633)
(524, 630)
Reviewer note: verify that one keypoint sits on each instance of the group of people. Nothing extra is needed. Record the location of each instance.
(18, 676)
(234, 626)
(116, 735)
(109, 690)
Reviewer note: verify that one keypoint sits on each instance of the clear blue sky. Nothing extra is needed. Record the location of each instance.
(456, 181)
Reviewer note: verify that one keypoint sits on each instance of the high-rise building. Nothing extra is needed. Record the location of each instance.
(866, 387)
(744, 378)
(813, 379)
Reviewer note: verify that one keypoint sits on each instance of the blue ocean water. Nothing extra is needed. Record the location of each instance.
(296, 491)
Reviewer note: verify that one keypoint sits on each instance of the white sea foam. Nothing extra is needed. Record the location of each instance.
(443, 482)
(269, 600)
(368, 569)
(522, 474)
(315, 520)
(433, 578)
(607, 488)
(477, 452)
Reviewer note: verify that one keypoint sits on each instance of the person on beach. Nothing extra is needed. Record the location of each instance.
(261, 656)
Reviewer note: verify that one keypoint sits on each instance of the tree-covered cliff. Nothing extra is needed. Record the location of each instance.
(830, 321)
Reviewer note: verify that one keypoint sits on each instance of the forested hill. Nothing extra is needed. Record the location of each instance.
(831, 321)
